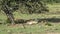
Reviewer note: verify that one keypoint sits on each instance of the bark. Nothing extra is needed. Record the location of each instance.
(9, 14)
(11, 18)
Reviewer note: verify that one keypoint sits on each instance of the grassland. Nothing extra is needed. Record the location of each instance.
(40, 28)
(30, 29)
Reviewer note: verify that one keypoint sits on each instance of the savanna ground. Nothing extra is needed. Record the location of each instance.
(39, 28)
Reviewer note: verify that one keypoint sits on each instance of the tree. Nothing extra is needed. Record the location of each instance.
(8, 9)
(32, 6)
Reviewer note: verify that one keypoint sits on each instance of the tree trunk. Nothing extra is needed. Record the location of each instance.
(11, 18)
(9, 14)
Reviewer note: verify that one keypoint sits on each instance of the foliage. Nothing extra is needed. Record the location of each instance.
(31, 6)
(51, 1)
(25, 6)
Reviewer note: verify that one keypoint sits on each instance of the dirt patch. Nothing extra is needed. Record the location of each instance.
(52, 33)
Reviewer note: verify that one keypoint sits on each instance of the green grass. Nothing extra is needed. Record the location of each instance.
(35, 29)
